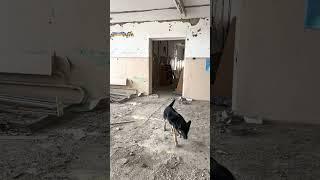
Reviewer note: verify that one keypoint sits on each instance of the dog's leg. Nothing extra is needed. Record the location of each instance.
(175, 137)
(165, 127)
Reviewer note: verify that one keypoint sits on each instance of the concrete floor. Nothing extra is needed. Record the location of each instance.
(72, 148)
(143, 150)
(268, 151)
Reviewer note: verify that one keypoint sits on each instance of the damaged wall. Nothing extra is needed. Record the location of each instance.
(132, 41)
(278, 62)
(75, 29)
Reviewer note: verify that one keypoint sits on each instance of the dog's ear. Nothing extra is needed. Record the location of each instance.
(188, 124)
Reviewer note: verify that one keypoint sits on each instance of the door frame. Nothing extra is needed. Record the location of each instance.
(150, 64)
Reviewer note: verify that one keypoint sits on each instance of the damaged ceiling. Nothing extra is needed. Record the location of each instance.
(117, 6)
(145, 11)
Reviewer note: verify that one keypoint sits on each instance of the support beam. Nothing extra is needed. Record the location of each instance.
(180, 7)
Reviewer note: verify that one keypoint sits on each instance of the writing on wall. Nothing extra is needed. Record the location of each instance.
(122, 34)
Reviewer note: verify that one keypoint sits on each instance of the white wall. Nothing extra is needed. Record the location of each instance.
(196, 82)
(278, 62)
(24, 45)
(137, 48)
(138, 45)
(76, 25)
(166, 24)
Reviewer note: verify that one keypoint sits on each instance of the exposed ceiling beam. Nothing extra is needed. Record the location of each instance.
(180, 7)
(144, 10)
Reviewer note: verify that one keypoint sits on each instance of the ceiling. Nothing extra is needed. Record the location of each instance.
(138, 5)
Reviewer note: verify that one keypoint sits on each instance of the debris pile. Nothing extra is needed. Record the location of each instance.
(153, 96)
(184, 100)
(230, 122)
(120, 95)
(227, 117)
(13, 124)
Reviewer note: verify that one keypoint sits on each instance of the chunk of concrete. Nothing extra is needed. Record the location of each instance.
(153, 96)
(253, 120)
(224, 115)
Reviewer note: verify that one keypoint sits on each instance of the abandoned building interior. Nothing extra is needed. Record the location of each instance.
(159, 50)
(265, 95)
(52, 86)
(244, 72)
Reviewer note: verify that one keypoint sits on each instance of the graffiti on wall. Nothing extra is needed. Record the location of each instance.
(207, 64)
(122, 34)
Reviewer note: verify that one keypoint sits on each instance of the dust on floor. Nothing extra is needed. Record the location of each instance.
(71, 148)
(267, 151)
(141, 149)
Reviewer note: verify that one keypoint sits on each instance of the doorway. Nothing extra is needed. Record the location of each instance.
(167, 65)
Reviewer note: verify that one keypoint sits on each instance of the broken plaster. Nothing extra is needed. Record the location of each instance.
(192, 21)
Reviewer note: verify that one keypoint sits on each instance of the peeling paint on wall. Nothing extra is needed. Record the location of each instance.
(122, 34)
(192, 21)
(197, 45)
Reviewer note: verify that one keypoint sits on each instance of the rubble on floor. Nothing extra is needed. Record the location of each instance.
(184, 100)
(284, 151)
(253, 120)
(153, 96)
(227, 117)
(54, 152)
(143, 150)
(121, 95)
(229, 122)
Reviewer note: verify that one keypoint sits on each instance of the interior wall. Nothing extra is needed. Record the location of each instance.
(278, 62)
(135, 70)
(196, 82)
(131, 40)
(24, 46)
(224, 76)
(75, 29)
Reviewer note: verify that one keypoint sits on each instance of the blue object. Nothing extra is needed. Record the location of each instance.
(312, 17)
(208, 64)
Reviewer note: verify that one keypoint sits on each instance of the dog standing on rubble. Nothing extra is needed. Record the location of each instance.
(177, 122)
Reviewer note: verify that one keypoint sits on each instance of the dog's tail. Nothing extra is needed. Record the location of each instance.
(171, 104)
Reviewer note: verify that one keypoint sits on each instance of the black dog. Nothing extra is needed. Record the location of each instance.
(219, 172)
(177, 122)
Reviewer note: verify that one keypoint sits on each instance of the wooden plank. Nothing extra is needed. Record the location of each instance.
(180, 83)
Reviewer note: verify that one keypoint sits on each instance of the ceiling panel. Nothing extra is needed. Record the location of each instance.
(136, 5)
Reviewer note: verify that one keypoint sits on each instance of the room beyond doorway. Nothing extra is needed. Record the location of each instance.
(167, 65)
